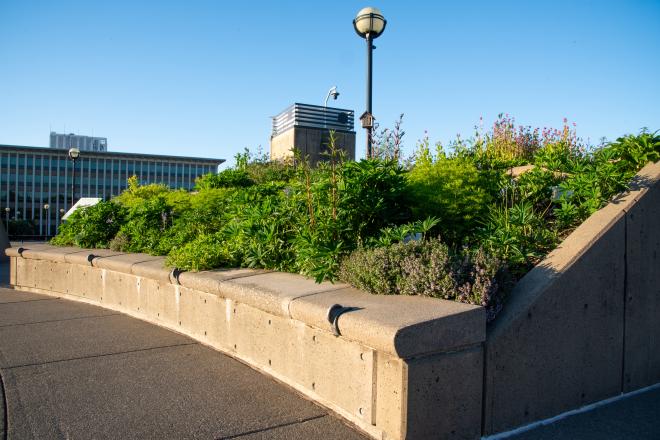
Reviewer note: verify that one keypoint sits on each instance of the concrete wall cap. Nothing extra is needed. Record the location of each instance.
(209, 280)
(12, 252)
(87, 255)
(49, 253)
(404, 326)
(154, 269)
(122, 262)
(272, 292)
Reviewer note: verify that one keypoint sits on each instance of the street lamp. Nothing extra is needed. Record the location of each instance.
(7, 209)
(74, 153)
(369, 24)
(46, 208)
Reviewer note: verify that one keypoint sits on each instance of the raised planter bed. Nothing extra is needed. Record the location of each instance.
(581, 327)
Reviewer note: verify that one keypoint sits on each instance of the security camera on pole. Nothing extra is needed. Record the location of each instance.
(369, 24)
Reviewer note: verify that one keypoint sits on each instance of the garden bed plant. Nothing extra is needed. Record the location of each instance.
(459, 223)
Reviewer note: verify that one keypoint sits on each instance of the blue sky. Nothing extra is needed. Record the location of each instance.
(202, 78)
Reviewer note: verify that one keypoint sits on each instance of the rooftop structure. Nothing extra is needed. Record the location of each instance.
(83, 143)
(307, 128)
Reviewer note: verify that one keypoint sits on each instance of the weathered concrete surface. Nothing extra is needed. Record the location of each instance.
(72, 370)
(404, 326)
(565, 351)
(642, 319)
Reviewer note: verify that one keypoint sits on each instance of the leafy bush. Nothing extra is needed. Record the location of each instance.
(230, 178)
(451, 189)
(93, 226)
(369, 222)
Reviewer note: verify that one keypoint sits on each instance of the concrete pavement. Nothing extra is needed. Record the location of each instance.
(71, 371)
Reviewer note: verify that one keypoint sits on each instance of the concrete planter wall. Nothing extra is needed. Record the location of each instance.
(402, 367)
(582, 326)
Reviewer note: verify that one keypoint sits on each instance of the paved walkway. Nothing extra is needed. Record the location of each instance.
(632, 418)
(75, 371)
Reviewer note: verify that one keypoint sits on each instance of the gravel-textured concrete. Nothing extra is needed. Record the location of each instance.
(72, 370)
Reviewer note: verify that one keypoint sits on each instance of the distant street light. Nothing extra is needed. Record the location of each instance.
(369, 24)
(7, 209)
(74, 153)
(46, 208)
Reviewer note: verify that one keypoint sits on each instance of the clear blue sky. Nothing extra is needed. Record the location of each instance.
(203, 77)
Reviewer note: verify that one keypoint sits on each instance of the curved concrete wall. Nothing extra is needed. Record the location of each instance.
(584, 325)
(580, 327)
(402, 367)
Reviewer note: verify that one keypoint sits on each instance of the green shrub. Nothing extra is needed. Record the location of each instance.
(230, 178)
(146, 224)
(204, 252)
(451, 190)
(91, 227)
(428, 268)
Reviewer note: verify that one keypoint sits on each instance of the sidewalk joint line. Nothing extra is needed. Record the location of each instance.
(138, 350)
(59, 320)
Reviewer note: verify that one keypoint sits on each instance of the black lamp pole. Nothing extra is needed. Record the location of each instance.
(73, 155)
(369, 24)
(370, 50)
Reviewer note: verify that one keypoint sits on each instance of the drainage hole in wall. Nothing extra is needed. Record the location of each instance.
(234, 346)
(362, 356)
(179, 322)
(234, 311)
(313, 385)
(314, 338)
(204, 332)
(269, 362)
(269, 322)
(361, 411)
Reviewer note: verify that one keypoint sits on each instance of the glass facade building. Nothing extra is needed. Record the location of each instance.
(33, 177)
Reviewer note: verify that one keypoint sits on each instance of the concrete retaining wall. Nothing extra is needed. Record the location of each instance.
(403, 367)
(582, 326)
(585, 324)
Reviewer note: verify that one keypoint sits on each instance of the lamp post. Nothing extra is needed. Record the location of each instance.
(74, 153)
(46, 208)
(7, 209)
(369, 24)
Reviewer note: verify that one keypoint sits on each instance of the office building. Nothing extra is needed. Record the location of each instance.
(36, 183)
(83, 143)
(307, 128)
